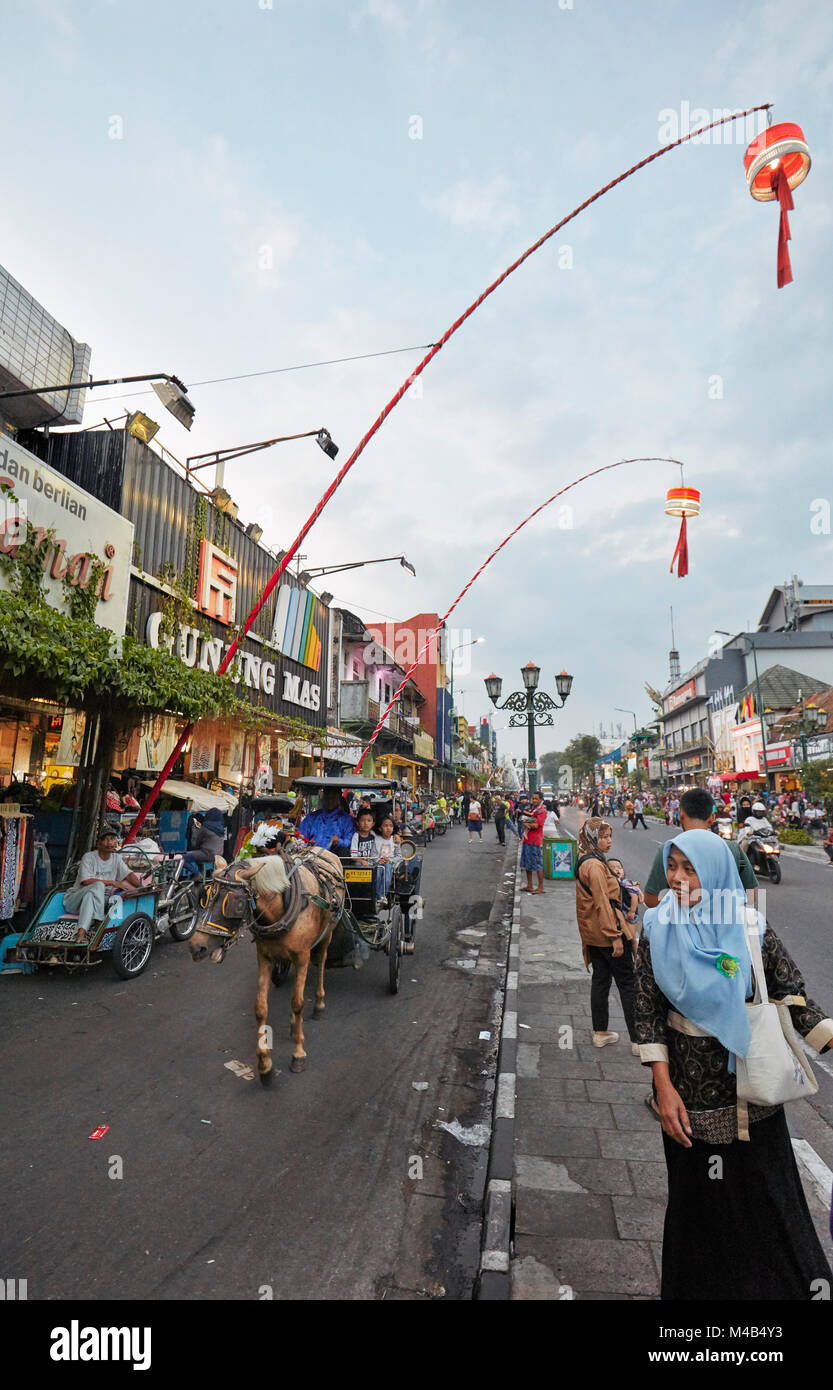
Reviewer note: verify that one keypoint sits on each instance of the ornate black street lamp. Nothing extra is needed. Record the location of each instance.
(531, 706)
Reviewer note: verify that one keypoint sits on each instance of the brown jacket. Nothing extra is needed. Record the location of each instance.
(600, 919)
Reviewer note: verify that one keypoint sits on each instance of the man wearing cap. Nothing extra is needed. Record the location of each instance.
(100, 873)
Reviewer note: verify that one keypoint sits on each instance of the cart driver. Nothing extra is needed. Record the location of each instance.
(331, 826)
(100, 874)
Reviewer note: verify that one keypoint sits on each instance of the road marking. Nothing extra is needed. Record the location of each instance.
(817, 1172)
(505, 1103)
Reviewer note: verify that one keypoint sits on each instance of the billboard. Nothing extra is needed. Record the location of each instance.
(80, 528)
(35, 350)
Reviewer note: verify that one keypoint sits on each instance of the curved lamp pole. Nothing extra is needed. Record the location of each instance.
(396, 398)
(531, 706)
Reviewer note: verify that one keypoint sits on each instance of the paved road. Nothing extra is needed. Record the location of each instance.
(800, 908)
(303, 1189)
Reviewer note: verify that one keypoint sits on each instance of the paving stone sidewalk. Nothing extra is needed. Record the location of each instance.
(589, 1171)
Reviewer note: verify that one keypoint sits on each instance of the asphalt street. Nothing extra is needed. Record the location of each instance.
(799, 908)
(308, 1190)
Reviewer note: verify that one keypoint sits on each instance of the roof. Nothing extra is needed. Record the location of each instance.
(200, 798)
(780, 686)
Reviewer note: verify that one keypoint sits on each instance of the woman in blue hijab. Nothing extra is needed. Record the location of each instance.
(737, 1224)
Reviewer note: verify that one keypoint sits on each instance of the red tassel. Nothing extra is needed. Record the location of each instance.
(785, 198)
(682, 552)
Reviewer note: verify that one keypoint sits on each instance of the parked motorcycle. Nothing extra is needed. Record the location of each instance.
(764, 854)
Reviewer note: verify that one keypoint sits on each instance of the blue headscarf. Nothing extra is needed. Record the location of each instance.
(699, 954)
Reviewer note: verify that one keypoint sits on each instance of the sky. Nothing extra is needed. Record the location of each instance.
(221, 187)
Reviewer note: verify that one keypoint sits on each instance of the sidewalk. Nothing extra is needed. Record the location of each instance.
(589, 1180)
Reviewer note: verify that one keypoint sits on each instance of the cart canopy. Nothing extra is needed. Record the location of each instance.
(200, 798)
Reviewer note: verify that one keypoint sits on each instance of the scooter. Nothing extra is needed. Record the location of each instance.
(723, 827)
(764, 852)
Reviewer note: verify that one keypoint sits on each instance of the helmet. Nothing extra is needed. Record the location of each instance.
(758, 806)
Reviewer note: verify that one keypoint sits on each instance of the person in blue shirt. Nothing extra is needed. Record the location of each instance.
(331, 826)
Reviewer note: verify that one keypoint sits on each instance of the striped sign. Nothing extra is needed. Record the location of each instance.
(293, 631)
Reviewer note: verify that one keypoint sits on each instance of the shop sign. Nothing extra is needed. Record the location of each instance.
(777, 755)
(217, 585)
(206, 654)
(83, 530)
(819, 747)
(681, 695)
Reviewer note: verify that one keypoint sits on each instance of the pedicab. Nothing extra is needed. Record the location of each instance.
(166, 900)
(384, 924)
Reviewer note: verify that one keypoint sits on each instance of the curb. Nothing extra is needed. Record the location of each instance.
(493, 1284)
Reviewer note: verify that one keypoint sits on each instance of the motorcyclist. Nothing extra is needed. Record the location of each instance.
(756, 823)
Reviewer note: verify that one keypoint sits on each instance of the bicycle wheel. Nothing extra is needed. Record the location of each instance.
(395, 948)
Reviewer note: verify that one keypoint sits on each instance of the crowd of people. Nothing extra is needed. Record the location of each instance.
(685, 976)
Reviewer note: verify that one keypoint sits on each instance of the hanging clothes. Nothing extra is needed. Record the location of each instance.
(8, 867)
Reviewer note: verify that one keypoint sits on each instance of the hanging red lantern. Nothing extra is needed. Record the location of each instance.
(684, 502)
(777, 161)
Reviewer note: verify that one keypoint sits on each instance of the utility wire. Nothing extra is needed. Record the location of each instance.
(274, 371)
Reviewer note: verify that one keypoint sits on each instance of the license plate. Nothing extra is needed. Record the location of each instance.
(358, 875)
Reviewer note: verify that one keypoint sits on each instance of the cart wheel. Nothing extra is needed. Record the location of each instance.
(408, 931)
(132, 946)
(441, 829)
(281, 971)
(182, 917)
(395, 948)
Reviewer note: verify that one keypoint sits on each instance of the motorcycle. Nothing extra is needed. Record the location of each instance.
(763, 852)
(723, 827)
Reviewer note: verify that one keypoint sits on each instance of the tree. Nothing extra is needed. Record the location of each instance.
(581, 754)
(548, 765)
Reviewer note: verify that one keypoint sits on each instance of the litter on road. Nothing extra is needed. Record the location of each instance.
(476, 1136)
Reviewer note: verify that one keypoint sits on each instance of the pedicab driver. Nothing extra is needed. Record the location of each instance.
(100, 874)
(331, 826)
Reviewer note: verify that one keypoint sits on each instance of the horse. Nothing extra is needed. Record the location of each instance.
(291, 902)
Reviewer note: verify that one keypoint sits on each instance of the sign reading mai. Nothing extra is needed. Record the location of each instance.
(82, 529)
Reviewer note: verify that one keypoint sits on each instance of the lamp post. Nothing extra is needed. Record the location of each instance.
(172, 392)
(810, 719)
(631, 712)
(474, 642)
(531, 706)
(220, 457)
(307, 574)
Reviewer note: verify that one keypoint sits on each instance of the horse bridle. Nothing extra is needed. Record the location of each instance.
(295, 900)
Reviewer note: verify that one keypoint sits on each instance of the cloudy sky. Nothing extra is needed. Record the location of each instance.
(220, 187)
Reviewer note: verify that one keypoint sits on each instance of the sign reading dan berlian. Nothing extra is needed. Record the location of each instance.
(84, 530)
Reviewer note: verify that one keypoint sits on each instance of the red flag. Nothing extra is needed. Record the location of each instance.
(682, 552)
(785, 198)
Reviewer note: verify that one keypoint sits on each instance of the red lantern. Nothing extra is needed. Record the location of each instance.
(684, 502)
(777, 161)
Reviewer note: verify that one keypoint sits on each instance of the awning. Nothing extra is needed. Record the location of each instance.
(199, 798)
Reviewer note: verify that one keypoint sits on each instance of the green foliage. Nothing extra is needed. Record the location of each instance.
(548, 765)
(795, 837)
(817, 778)
(75, 662)
(581, 754)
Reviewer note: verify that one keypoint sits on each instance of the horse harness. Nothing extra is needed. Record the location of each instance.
(295, 900)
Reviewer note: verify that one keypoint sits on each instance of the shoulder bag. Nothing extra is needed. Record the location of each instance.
(775, 1068)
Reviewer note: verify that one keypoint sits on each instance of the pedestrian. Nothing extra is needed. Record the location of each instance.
(694, 976)
(532, 853)
(697, 813)
(607, 939)
(474, 819)
(500, 819)
(638, 813)
(552, 824)
(629, 813)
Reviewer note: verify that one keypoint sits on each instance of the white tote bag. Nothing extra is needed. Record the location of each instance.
(774, 1069)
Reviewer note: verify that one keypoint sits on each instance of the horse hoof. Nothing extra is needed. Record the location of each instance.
(267, 1077)
(200, 954)
(298, 1064)
(318, 1011)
